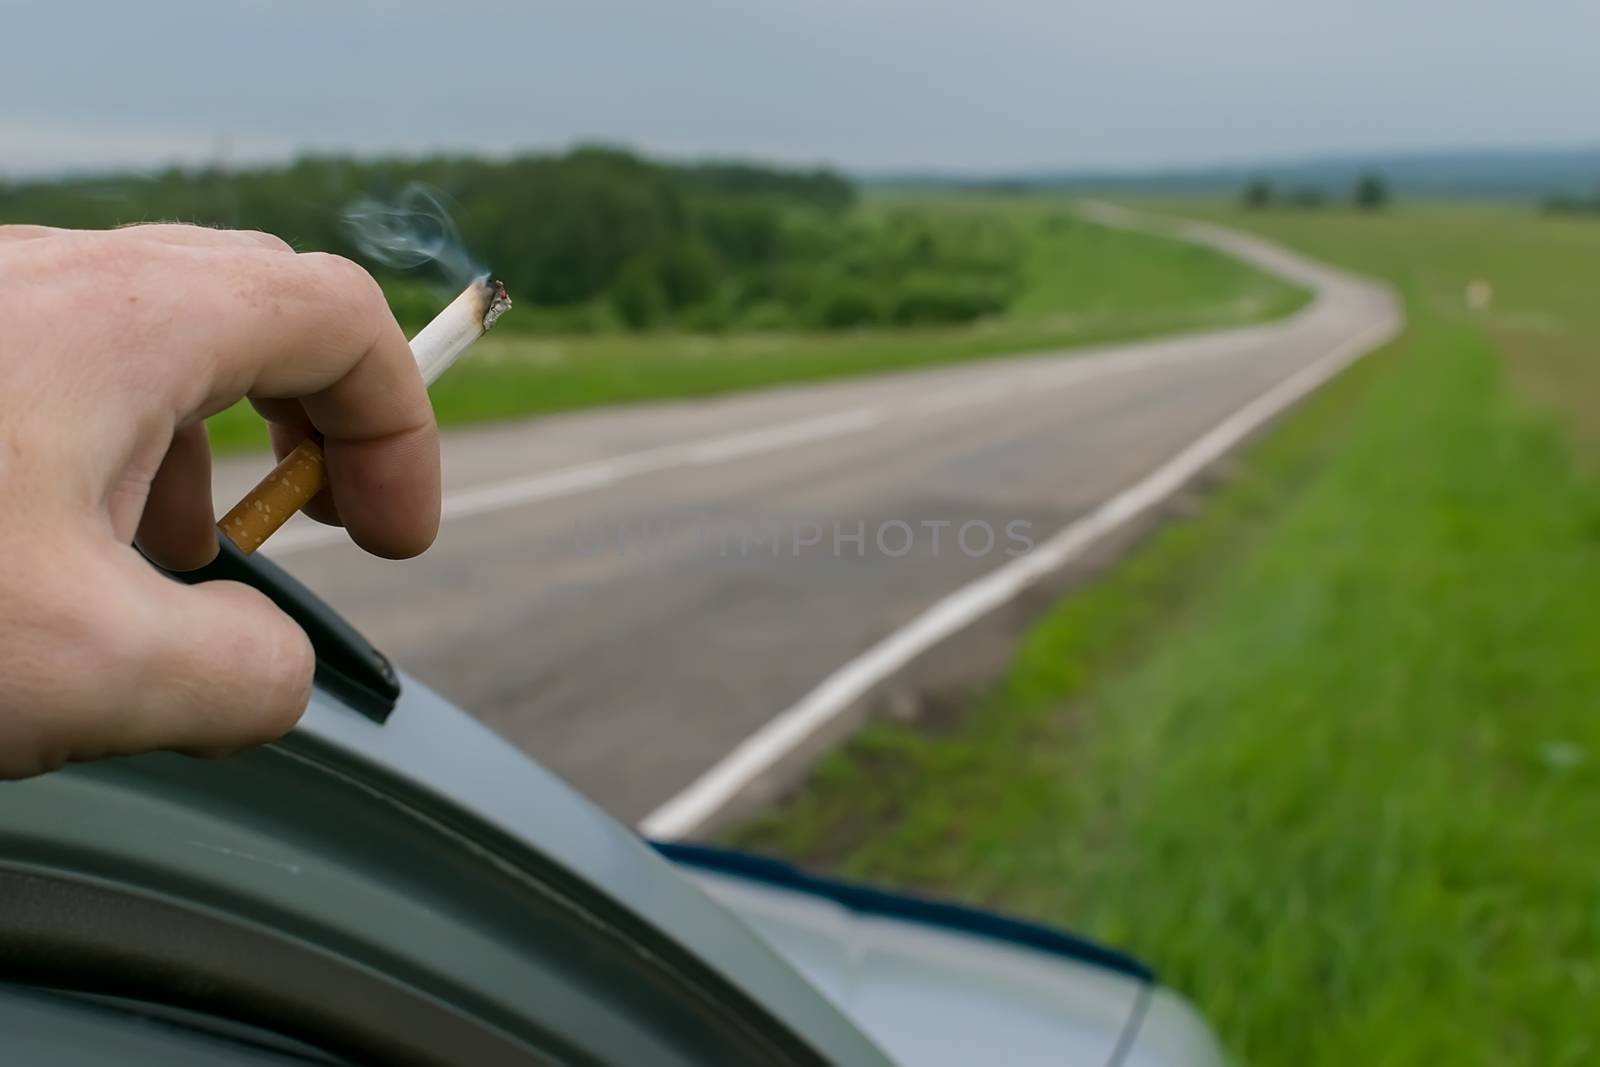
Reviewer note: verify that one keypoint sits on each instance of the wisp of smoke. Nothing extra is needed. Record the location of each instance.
(412, 231)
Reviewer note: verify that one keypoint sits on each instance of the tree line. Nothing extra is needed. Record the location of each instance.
(1573, 203)
(601, 238)
(1369, 192)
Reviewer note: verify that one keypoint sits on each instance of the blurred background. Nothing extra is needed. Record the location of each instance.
(1320, 744)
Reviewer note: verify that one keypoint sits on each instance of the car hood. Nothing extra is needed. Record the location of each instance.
(936, 984)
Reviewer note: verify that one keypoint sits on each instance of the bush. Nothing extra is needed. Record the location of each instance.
(637, 297)
(767, 315)
(742, 233)
(721, 311)
(842, 305)
(687, 272)
(930, 301)
(596, 316)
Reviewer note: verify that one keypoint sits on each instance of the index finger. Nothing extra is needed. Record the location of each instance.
(170, 232)
(378, 429)
(262, 323)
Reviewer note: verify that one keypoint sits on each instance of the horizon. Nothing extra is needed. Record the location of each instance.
(1368, 157)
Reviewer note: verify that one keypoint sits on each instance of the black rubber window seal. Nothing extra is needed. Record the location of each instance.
(348, 666)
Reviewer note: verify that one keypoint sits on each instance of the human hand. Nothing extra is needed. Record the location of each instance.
(114, 347)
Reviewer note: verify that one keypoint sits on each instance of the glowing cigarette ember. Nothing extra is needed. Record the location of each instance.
(301, 474)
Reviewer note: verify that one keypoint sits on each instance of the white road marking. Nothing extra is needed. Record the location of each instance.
(785, 435)
(604, 473)
(763, 750)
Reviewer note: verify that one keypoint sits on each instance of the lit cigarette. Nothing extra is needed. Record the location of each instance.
(301, 474)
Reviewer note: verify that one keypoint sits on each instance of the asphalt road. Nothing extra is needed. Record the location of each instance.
(628, 593)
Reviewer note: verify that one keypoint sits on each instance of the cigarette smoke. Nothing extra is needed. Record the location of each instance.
(412, 231)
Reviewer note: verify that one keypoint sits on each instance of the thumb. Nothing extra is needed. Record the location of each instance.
(204, 669)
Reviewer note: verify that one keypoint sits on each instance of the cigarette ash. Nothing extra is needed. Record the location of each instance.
(499, 301)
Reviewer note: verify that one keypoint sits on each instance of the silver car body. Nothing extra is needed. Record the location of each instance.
(860, 985)
(928, 996)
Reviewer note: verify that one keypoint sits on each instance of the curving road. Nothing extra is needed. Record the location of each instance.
(628, 594)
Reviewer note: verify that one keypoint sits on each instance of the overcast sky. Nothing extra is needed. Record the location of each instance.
(982, 85)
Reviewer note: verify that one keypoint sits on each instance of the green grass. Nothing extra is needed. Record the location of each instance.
(1082, 284)
(1325, 752)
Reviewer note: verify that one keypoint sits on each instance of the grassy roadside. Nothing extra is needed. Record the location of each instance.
(1324, 752)
(1082, 284)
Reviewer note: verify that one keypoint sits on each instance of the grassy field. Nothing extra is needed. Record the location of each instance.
(1081, 284)
(1325, 752)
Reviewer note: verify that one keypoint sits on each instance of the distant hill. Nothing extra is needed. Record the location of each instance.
(1508, 173)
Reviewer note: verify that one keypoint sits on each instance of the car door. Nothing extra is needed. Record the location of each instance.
(386, 885)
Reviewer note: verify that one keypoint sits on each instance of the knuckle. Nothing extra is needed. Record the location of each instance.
(115, 269)
(347, 277)
(157, 227)
(22, 231)
(62, 261)
(270, 241)
(358, 311)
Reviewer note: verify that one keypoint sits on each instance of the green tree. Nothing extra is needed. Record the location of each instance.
(593, 239)
(638, 298)
(688, 271)
(1371, 193)
(839, 304)
(1258, 194)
